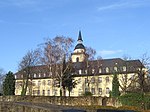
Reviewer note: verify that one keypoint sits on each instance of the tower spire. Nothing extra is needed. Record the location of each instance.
(80, 38)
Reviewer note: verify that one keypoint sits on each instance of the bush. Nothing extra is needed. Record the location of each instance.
(87, 93)
(136, 99)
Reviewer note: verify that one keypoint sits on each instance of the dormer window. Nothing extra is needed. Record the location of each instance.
(85, 71)
(44, 74)
(115, 69)
(39, 74)
(124, 68)
(100, 70)
(93, 70)
(80, 71)
(35, 75)
(107, 70)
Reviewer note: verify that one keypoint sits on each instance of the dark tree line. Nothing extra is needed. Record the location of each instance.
(9, 84)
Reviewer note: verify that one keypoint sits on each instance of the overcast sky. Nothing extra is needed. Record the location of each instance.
(113, 27)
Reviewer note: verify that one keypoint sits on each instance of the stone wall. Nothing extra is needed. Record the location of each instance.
(70, 101)
(51, 103)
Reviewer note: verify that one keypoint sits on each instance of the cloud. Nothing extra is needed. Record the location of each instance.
(125, 4)
(109, 52)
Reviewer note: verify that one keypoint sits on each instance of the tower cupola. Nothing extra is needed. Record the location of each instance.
(79, 54)
(80, 42)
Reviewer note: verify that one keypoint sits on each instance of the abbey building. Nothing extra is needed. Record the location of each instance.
(95, 76)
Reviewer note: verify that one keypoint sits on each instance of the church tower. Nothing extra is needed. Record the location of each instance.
(79, 54)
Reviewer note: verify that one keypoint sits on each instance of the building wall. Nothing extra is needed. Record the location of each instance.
(81, 57)
(98, 85)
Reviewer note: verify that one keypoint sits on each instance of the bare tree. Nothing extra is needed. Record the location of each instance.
(143, 72)
(30, 60)
(54, 51)
(91, 53)
(139, 82)
(2, 77)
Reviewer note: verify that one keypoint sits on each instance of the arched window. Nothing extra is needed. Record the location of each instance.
(77, 59)
(107, 70)
(100, 70)
(107, 79)
(115, 69)
(107, 90)
(124, 68)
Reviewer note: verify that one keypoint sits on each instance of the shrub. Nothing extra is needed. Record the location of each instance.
(87, 93)
(136, 99)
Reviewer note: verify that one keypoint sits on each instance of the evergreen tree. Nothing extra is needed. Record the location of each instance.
(115, 86)
(9, 84)
(68, 81)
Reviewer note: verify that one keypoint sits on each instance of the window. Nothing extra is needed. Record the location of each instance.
(77, 59)
(33, 92)
(93, 90)
(100, 79)
(35, 75)
(39, 74)
(43, 82)
(85, 71)
(55, 92)
(100, 91)
(43, 92)
(100, 70)
(38, 92)
(86, 80)
(115, 69)
(80, 71)
(50, 73)
(93, 80)
(79, 80)
(39, 83)
(124, 68)
(107, 90)
(29, 75)
(93, 70)
(79, 92)
(55, 83)
(132, 77)
(86, 89)
(44, 74)
(33, 83)
(48, 82)
(72, 92)
(107, 70)
(48, 92)
(107, 79)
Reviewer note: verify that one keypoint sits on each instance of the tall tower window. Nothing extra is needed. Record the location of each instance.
(77, 59)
